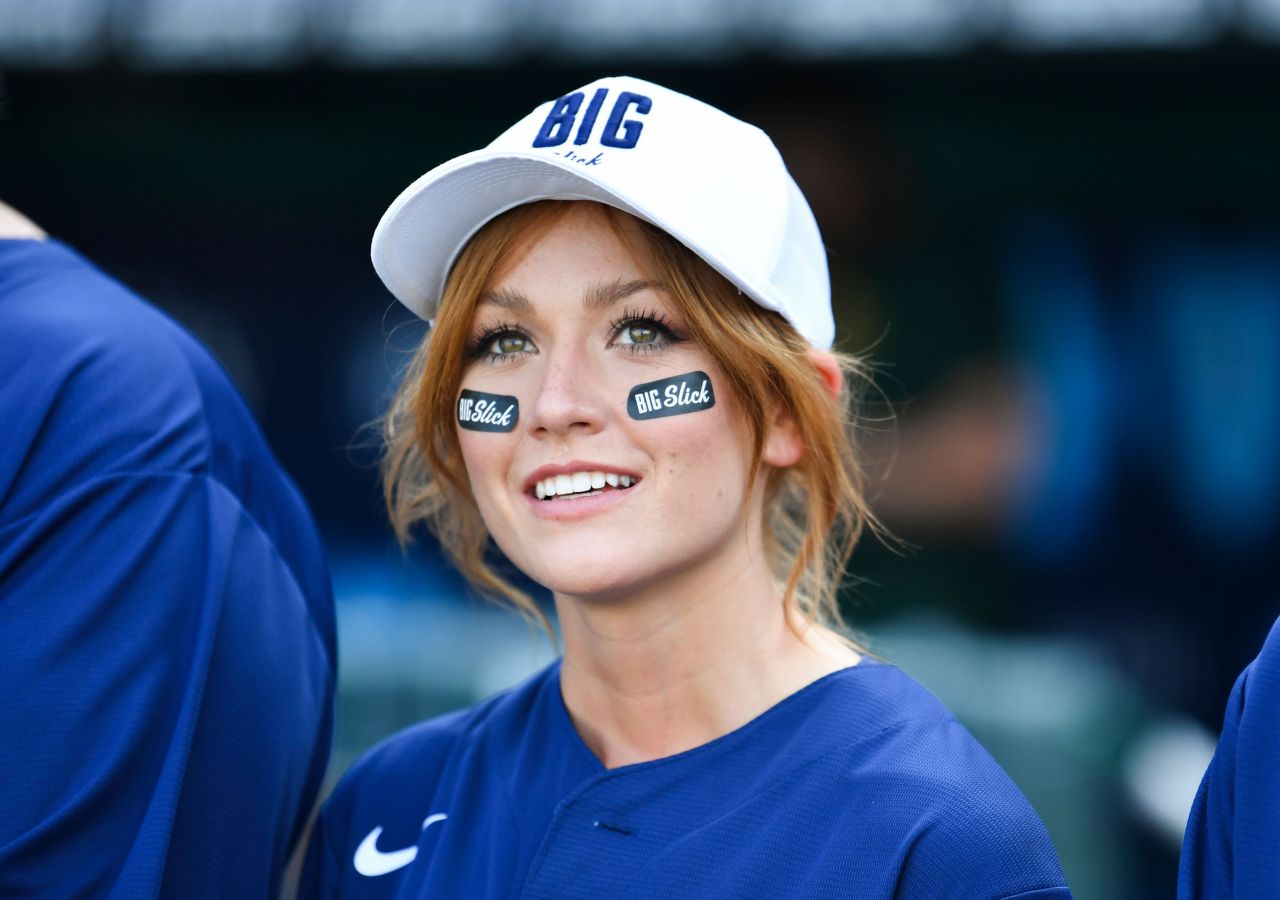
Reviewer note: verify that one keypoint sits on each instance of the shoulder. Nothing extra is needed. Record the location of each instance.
(464, 766)
(1233, 820)
(862, 784)
(101, 388)
(398, 776)
(960, 818)
(86, 350)
(897, 731)
(99, 383)
(975, 831)
(64, 308)
(97, 380)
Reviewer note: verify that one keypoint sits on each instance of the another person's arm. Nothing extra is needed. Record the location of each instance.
(166, 677)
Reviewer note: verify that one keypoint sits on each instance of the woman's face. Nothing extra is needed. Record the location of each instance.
(569, 329)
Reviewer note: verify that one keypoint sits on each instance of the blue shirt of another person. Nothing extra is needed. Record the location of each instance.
(1232, 844)
(167, 649)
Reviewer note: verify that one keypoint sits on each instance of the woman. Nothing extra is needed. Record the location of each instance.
(625, 387)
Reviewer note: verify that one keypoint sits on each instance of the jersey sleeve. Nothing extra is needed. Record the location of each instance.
(976, 849)
(979, 837)
(166, 647)
(1229, 849)
(165, 690)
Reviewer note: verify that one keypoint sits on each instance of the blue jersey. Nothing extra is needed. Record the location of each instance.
(859, 785)
(166, 619)
(1232, 844)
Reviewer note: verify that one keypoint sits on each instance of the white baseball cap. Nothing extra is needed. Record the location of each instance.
(713, 182)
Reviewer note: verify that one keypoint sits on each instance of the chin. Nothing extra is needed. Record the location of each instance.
(609, 569)
(602, 578)
(600, 586)
(578, 563)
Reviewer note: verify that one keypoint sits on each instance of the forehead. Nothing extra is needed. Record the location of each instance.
(585, 242)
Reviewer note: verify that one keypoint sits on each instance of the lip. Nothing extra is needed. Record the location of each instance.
(568, 469)
(565, 509)
(570, 510)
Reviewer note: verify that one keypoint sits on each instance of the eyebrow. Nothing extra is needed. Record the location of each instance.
(598, 296)
(602, 296)
(505, 298)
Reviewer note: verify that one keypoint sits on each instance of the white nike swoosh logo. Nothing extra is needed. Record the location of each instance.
(371, 861)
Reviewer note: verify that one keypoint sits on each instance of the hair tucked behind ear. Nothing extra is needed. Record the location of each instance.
(816, 509)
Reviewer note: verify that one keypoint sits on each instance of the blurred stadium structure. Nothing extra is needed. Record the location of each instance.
(1055, 222)
(275, 33)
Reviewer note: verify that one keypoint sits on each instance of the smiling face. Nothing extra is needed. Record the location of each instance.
(584, 498)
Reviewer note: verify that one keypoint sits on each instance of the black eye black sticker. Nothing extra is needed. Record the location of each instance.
(478, 411)
(671, 396)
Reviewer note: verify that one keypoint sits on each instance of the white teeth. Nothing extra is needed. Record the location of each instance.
(579, 483)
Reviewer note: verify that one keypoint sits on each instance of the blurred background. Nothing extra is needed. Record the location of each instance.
(1054, 226)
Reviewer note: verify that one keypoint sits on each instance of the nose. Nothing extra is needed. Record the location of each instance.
(569, 397)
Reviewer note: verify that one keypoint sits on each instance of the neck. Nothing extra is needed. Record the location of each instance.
(672, 667)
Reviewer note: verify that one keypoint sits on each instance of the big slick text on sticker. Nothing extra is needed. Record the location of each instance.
(484, 412)
(672, 396)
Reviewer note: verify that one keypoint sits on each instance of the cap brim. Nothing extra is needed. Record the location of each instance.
(427, 226)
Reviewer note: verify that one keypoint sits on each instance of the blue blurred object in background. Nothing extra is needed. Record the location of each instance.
(1210, 305)
(1148, 509)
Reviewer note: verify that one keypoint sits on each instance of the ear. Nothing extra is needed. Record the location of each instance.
(783, 445)
(828, 369)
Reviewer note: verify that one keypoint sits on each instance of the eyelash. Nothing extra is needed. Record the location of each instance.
(661, 323)
(654, 317)
(476, 349)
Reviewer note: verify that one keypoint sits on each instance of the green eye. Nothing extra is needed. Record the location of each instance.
(642, 333)
(639, 333)
(511, 343)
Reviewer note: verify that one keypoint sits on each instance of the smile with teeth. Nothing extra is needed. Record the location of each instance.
(581, 484)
